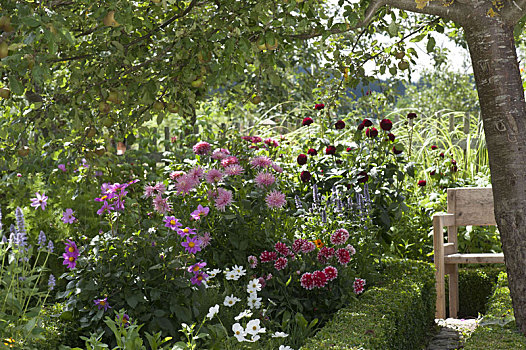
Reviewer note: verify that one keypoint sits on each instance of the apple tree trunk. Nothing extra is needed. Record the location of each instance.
(501, 94)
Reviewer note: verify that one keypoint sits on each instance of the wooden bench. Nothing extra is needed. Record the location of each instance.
(465, 206)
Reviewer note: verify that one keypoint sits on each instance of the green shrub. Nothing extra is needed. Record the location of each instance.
(397, 314)
(497, 330)
(475, 285)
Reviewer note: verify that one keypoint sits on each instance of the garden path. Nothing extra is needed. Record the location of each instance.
(451, 334)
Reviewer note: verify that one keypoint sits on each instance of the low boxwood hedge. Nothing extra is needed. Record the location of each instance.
(497, 330)
(396, 314)
(475, 286)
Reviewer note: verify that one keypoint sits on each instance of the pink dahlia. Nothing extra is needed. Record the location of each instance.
(205, 239)
(196, 173)
(282, 249)
(253, 261)
(261, 162)
(298, 244)
(307, 281)
(319, 278)
(234, 170)
(175, 174)
(281, 263)
(343, 256)
(213, 176)
(229, 161)
(223, 199)
(277, 168)
(267, 256)
(184, 184)
(161, 204)
(325, 254)
(340, 236)
(220, 153)
(308, 247)
(160, 187)
(359, 285)
(271, 142)
(149, 191)
(202, 148)
(331, 272)
(275, 199)
(350, 249)
(264, 179)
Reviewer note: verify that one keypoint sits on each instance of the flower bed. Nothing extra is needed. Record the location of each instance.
(396, 315)
(497, 330)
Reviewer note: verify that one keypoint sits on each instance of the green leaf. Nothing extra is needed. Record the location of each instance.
(16, 87)
(430, 44)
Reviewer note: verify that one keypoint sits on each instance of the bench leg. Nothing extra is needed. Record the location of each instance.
(438, 245)
(453, 291)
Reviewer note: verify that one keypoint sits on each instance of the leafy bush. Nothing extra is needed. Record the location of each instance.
(397, 314)
(497, 330)
(475, 286)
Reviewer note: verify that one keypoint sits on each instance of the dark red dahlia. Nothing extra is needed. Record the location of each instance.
(454, 169)
(340, 124)
(312, 152)
(349, 149)
(319, 106)
(432, 172)
(411, 115)
(363, 177)
(302, 159)
(422, 183)
(371, 132)
(454, 162)
(367, 123)
(386, 124)
(396, 150)
(441, 155)
(361, 126)
(391, 137)
(307, 121)
(305, 176)
(434, 147)
(330, 150)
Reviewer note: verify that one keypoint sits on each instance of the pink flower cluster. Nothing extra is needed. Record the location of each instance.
(359, 285)
(303, 246)
(202, 148)
(318, 279)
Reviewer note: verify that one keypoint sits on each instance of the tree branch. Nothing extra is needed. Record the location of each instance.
(454, 10)
(166, 23)
(513, 11)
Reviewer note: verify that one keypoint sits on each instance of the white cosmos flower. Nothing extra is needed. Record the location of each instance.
(254, 301)
(253, 327)
(213, 311)
(230, 300)
(280, 335)
(239, 332)
(254, 338)
(240, 270)
(254, 286)
(231, 275)
(213, 273)
(246, 313)
(285, 347)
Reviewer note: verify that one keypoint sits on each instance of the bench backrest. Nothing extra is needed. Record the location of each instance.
(471, 206)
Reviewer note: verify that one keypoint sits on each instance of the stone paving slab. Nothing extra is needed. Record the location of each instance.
(452, 333)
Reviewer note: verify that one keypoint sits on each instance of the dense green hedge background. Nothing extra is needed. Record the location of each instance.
(497, 330)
